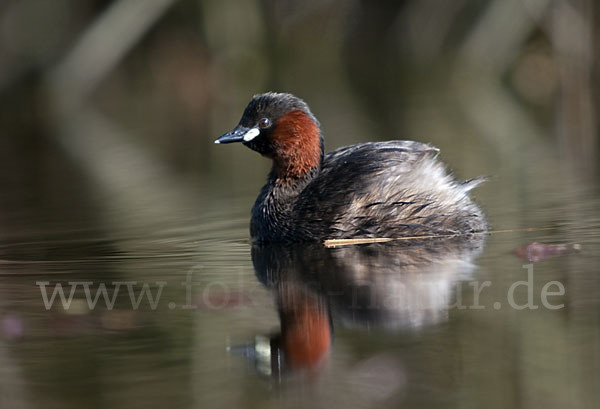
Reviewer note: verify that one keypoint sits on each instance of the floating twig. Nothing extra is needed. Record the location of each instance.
(350, 242)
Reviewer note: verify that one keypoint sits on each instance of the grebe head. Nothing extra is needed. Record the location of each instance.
(281, 127)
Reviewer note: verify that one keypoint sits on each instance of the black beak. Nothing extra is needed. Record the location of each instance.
(237, 135)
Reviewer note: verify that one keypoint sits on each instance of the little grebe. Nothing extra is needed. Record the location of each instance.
(374, 189)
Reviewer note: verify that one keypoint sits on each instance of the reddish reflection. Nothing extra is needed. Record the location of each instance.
(305, 326)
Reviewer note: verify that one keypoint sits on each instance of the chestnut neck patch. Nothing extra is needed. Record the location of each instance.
(298, 147)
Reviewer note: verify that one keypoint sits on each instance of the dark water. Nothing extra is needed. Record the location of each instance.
(242, 326)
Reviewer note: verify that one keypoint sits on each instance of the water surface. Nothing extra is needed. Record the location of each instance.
(242, 326)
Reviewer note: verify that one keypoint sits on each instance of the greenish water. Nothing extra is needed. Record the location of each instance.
(389, 326)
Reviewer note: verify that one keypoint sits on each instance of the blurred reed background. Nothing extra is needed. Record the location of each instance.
(133, 89)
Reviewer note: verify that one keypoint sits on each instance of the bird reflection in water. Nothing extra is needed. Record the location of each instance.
(401, 286)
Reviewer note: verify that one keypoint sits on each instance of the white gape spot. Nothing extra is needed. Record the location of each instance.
(251, 134)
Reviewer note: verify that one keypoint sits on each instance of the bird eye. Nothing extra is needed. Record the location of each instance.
(264, 123)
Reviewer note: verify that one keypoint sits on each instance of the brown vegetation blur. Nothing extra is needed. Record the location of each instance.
(480, 79)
